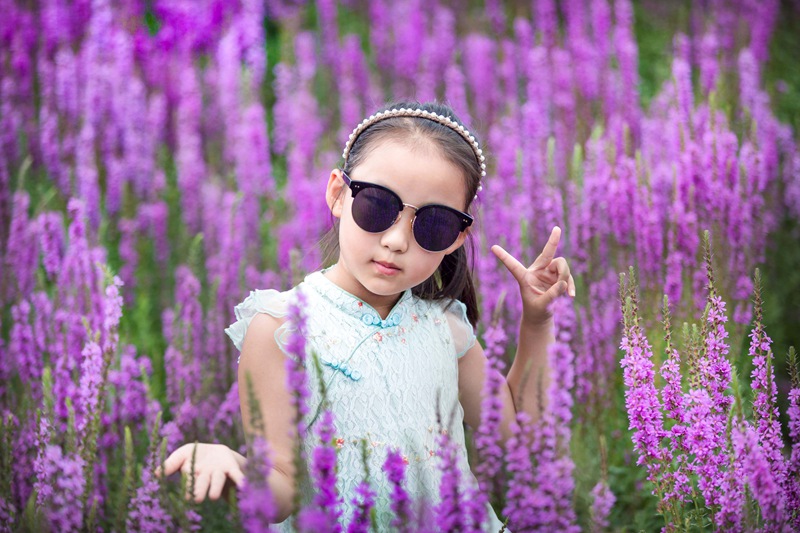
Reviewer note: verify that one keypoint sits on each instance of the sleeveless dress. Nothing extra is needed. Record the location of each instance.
(385, 379)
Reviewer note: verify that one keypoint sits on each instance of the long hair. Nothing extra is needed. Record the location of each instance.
(453, 279)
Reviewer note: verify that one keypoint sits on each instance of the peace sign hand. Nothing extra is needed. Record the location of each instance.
(541, 283)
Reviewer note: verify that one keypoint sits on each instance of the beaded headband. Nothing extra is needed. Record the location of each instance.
(404, 112)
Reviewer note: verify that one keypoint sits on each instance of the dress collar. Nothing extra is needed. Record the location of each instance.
(355, 306)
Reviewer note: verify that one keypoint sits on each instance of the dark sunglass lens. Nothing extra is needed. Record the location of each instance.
(374, 209)
(436, 228)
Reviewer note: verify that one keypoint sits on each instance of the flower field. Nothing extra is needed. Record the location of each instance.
(159, 160)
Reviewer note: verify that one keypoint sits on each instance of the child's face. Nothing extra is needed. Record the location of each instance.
(377, 267)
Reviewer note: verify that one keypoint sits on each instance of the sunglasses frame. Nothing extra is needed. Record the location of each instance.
(355, 187)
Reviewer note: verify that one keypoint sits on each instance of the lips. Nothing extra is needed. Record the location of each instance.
(388, 264)
(385, 267)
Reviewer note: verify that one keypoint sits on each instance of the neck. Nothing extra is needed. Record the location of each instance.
(382, 304)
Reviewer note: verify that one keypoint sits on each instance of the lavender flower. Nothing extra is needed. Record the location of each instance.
(732, 498)
(297, 380)
(90, 384)
(793, 412)
(394, 466)
(256, 504)
(641, 400)
(51, 241)
(487, 434)
(520, 498)
(765, 409)
(146, 511)
(325, 511)
(449, 516)
(603, 501)
(764, 486)
(363, 502)
(65, 504)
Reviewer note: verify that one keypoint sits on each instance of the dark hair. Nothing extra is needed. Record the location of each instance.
(453, 278)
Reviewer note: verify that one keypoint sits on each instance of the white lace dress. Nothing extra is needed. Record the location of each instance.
(385, 379)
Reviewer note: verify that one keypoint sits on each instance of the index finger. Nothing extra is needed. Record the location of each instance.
(549, 250)
(173, 463)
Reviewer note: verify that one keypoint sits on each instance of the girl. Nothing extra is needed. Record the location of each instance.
(391, 322)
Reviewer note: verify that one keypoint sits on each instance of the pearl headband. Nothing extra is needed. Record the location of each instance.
(404, 112)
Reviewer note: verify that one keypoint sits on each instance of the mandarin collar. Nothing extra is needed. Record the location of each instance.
(355, 306)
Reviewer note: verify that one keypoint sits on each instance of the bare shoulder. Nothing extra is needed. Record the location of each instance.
(259, 342)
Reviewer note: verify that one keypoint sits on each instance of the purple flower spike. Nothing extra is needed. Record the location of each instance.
(256, 504)
(325, 511)
(641, 401)
(296, 365)
(488, 433)
(65, 504)
(363, 503)
(764, 486)
(449, 513)
(146, 512)
(395, 467)
(603, 501)
(793, 412)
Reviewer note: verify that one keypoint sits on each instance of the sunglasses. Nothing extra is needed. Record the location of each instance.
(376, 208)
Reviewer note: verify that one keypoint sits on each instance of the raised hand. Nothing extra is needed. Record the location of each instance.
(213, 464)
(541, 283)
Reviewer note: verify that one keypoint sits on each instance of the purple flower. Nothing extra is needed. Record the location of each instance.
(23, 350)
(487, 435)
(521, 501)
(324, 513)
(793, 412)
(363, 502)
(112, 312)
(765, 408)
(732, 498)
(449, 511)
(546, 18)
(7, 515)
(147, 513)
(764, 486)
(553, 479)
(90, 385)
(395, 466)
(602, 502)
(64, 505)
(19, 259)
(51, 241)
(641, 401)
(253, 166)
(130, 391)
(189, 161)
(256, 504)
(297, 380)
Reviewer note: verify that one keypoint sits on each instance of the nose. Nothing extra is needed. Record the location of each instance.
(398, 237)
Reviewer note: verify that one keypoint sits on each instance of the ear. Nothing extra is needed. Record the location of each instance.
(459, 241)
(334, 193)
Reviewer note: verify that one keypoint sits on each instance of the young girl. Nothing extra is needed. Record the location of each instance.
(391, 322)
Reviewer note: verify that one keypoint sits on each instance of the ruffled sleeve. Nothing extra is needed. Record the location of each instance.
(268, 301)
(460, 327)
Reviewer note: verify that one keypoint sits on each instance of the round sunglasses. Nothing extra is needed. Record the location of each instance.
(376, 208)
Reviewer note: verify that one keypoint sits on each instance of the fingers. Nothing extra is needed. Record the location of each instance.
(554, 292)
(237, 477)
(217, 484)
(560, 268)
(174, 462)
(549, 250)
(201, 484)
(516, 268)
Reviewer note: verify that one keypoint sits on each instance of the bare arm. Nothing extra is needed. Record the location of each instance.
(528, 380)
(264, 361)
